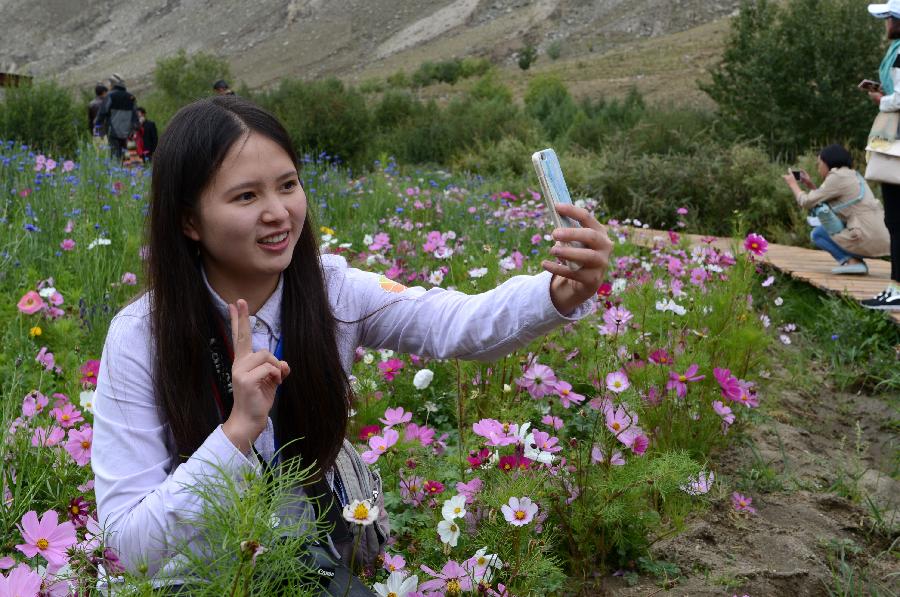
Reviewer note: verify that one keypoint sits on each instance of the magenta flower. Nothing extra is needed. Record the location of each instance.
(79, 444)
(679, 381)
(433, 487)
(756, 244)
(731, 387)
(539, 380)
(393, 563)
(45, 358)
(396, 416)
(390, 368)
(34, 404)
(497, 433)
(512, 462)
(618, 420)
(616, 320)
(660, 357)
(747, 397)
(67, 244)
(597, 457)
(67, 416)
(567, 397)
(724, 412)
(451, 580)
(20, 581)
(742, 503)
(470, 489)
(381, 241)
(412, 490)
(519, 511)
(30, 303)
(89, 372)
(379, 444)
(46, 537)
(368, 432)
(552, 421)
(639, 443)
(698, 276)
(617, 382)
(79, 511)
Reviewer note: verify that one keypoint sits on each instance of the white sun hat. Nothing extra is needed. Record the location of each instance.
(883, 11)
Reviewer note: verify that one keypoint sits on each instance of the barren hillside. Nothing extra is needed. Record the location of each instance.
(354, 39)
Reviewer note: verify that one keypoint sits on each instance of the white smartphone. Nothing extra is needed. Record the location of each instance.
(554, 190)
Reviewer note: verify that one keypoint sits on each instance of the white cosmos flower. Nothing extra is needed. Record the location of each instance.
(536, 454)
(360, 512)
(396, 585)
(86, 400)
(423, 378)
(454, 508)
(436, 278)
(478, 272)
(46, 292)
(368, 240)
(448, 530)
(99, 242)
(618, 285)
(482, 558)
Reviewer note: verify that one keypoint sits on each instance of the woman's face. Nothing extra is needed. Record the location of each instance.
(250, 216)
(822, 168)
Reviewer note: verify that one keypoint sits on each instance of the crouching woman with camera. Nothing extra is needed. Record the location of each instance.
(851, 220)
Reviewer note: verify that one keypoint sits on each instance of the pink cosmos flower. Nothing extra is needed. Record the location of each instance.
(539, 380)
(731, 387)
(390, 368)
(89, 372)
(6, 562)
(20, 581)
(30, 303)
(67, 244)
(393, 563)
(639, 443)
(379, 444)
(68, 166)
(617, 382)
(79, 511)
(742, 503)
(395, 416)
(470, 489)
(519, 511)
(597, 456)
(681, 211)
(412, 490)
(452, 575)
(45, 358)
(616, 320)
(34, 404)
(67, 416)
(567, 397)
(382, 240)
(748, 396)
(756, 244)
(512, 462)
(675, 267)
(724, 412)
(79, 444)
(424, 434)
(678, 381)
(129, 279)
(700, 484)
(46, 537)
(698, 276)
(478, 457)
(552, 421)
(622, 423)
(497, 433)
(47, 438)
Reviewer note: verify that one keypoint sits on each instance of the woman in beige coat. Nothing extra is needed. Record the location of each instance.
(848, 194)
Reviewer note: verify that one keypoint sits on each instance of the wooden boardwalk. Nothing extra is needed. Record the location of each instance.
(809, 265)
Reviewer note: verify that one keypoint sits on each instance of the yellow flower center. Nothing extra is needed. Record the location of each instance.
(382, 448)
(682, 378)
(506, 428)
(457, 510)
(392, 568)
(85, 444)
(616, 426)
(453, 587)
(392, 594)
(65, 417)
(75, 509)
(42, 543)
(565, 392)
(520, 515)
(361, 512)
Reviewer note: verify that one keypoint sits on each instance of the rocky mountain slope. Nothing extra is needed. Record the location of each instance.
(82, 42)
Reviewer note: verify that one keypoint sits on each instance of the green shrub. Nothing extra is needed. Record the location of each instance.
(548, 101)
(597, 120)
(394, 109)
(554, 50)
(399, 79)
(527, 56)
(474, 67)
(788, 75)
(44, 116)
(322, 116)
(182, 79)
(446, 71)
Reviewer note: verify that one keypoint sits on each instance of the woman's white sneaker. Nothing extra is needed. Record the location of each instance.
(889, 300)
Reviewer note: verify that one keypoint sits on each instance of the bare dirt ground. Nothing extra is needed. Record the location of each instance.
(822, 468)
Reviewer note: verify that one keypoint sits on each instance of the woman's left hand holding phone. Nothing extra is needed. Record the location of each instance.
(568, 289)
(255, 377)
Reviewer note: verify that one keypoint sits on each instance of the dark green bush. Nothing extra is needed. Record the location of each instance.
(527, 56)
(395, 109)
(322, 116)
(788, 75)
(597, 120)
(182, 79)
(44, 115)
(446, 71)
(549, 102)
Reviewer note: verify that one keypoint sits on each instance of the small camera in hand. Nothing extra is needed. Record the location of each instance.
(796, 174)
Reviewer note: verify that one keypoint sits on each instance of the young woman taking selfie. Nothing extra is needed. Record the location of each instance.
(241, 347)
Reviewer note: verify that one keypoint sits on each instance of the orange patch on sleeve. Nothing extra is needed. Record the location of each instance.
(389, 285)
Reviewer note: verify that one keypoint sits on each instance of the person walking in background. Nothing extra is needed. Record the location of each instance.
(846, 193)
(146, 136)
(100, 91)
(118, 116)
(222, 88)
(884, 167)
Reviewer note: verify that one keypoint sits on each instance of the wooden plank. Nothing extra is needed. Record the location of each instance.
(809, 265)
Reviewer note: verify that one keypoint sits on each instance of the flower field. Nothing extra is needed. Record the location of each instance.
(543, 473)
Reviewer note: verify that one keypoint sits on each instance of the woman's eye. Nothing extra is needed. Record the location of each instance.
(290, 185)
(245, 196)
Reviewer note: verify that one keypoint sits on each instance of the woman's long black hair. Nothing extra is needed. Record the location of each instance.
(312, 407)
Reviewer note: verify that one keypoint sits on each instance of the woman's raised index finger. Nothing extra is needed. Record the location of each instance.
(240, 328)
